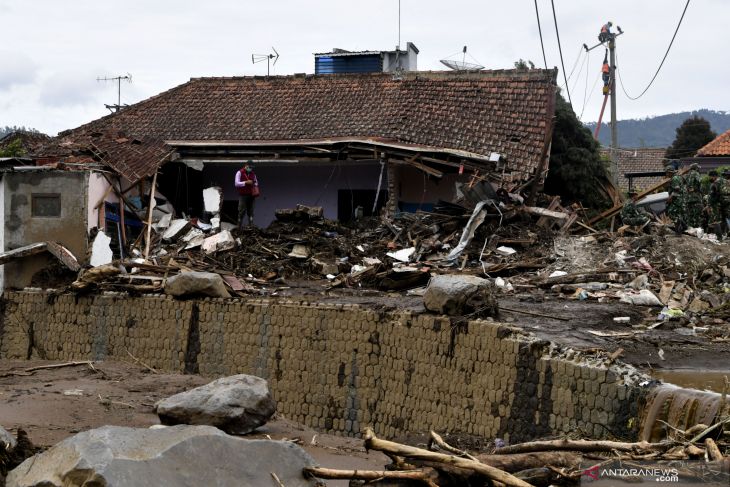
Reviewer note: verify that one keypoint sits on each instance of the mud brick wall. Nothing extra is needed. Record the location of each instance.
(338, 368)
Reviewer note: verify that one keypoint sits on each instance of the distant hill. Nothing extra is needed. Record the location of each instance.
(7, 129)
(658, 131)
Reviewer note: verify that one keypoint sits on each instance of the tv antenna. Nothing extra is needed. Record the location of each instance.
(462, 65)
(118, 79)
(258, 58)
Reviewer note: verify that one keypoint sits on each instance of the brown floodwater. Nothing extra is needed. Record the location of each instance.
(704, 380)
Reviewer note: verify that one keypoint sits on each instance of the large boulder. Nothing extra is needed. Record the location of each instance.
(179, 455)
(192, 283)
(237, 404)
(7, 440)
(458, 295)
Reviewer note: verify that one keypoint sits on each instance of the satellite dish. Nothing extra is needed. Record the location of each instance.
(462, 65)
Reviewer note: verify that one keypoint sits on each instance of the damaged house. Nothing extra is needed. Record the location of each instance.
(354, 144)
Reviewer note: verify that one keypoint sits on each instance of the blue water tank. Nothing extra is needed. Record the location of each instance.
(370, 63)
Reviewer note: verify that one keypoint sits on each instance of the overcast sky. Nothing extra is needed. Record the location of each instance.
(53, 51)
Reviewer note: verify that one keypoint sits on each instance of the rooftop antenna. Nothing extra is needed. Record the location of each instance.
(257, 58)
(397, 48)
(462, 65)
(118, 79)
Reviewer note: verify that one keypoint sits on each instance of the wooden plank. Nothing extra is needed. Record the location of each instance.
(151, 206)
(616, 209)
(21, 252)
(536, 210)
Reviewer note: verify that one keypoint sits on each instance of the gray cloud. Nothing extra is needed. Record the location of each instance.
(17, 69)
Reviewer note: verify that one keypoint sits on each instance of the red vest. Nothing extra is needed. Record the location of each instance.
(248, 189)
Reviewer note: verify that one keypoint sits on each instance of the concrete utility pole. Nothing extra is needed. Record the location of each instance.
(614, 126)
(612, 93)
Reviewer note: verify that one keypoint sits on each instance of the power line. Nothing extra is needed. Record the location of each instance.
(539, 29)
(575, 64)
(560, 50)
(660, 64)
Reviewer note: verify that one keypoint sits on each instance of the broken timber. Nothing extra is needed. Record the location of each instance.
(58, 251)
(616, 209)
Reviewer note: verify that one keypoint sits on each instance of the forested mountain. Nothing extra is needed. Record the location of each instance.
(7, 129)
(658, 131)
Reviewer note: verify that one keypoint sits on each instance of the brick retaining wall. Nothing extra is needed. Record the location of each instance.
(337, 368)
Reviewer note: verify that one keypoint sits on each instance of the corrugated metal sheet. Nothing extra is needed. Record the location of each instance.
(348, 64)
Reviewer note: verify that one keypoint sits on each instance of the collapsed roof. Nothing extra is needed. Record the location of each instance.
(462, 115)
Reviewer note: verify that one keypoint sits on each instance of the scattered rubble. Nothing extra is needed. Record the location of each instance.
(238, 405)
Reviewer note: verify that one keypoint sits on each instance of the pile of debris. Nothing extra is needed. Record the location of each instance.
(540, 463)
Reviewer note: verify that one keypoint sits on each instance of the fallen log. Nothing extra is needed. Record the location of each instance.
(374, 443)
(426, 475)
(56, 366)
(436, 439)
(585, 446)
(526, 461)
(713, 452)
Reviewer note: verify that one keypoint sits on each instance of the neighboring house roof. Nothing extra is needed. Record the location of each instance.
(29, 141)
(132, 157)
(467, 114)
(718, 147)
(638, 160)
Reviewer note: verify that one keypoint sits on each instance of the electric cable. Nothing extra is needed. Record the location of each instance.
(560, 50)
(575, 64)
(660, 64)
(539, 29)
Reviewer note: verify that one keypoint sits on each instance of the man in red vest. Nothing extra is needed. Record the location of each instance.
(247, 186)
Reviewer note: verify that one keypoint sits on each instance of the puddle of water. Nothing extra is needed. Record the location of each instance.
(704, 380)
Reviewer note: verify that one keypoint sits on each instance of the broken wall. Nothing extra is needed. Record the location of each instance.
(284, 185)
(60, 216)
(338, 368)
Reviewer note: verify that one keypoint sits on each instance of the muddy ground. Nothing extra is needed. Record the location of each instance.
(569, 323)
(53, 404)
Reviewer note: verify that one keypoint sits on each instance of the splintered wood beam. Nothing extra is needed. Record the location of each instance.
(613, 211)
(20, 252)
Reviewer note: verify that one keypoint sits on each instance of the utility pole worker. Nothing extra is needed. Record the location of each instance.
(605, 34)
(606, 73)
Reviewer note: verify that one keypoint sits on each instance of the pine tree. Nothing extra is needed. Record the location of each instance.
(694, 133)
(576, 169)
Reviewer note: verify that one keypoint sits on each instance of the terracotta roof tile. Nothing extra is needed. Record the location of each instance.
(638, 160)
(718, 147)
(489, 111)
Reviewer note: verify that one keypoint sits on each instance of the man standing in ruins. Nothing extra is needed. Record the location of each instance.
(247, 186)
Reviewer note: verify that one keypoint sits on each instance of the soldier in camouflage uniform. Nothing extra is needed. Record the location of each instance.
(693, 197)
(719, 200)
(633, 215)
(675, 202)
(709, 216)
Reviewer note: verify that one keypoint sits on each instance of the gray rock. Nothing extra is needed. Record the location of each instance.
(455, 294)
(188, 283)
(113, 456)
(7, 440)
(237, 404)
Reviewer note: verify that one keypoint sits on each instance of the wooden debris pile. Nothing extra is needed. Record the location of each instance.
(695, 455)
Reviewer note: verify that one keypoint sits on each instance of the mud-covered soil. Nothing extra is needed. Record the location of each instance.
(53, 404)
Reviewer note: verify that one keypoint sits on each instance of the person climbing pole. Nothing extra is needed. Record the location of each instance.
(605, 34)
(606, 73)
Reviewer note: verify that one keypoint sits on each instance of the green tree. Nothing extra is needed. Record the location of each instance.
(576, 170)
(13, 149)
(694, 133)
